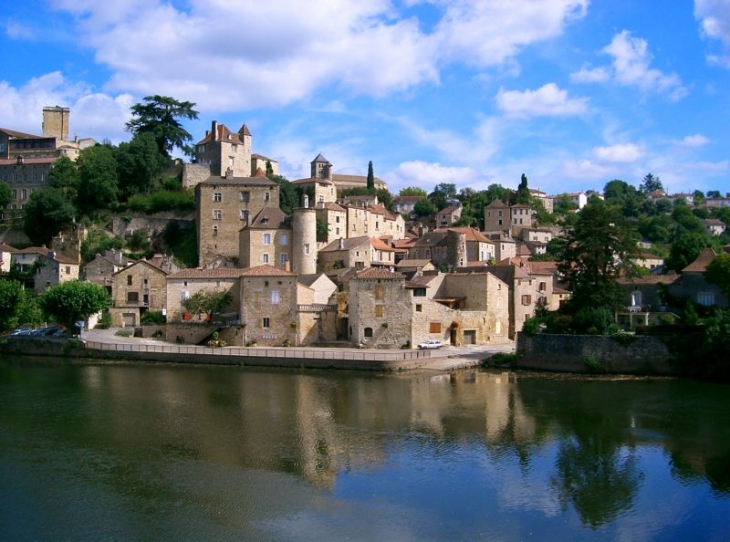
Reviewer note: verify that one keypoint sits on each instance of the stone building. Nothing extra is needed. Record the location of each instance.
(50, 267)
(319, 186)
(269, 306)
(358, 252)
(334, 217)
(501, 217)
(267, 240)
(447, 216)
(224, 206)
(388, 311)
(101, 269)
(26, 160)
(137, 289)
(188, 282)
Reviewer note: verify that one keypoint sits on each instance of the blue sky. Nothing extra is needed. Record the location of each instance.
(573, 93)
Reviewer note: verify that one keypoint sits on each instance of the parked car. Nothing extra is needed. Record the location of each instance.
(427, 345)
(21, 331)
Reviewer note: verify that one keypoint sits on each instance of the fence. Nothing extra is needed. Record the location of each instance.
(334, 354)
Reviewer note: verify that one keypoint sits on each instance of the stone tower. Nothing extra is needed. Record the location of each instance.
(456, 248)
(321, 168)
(304, 239)
(55, 122)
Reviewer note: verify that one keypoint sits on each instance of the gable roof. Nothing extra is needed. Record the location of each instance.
(378, 273)
(141, 262)
(701, 263)
(346, 243)
(269, 218)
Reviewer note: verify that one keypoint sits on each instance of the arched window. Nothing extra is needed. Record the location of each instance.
(368, 332)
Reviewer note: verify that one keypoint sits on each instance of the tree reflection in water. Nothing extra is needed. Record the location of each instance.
(599, 478)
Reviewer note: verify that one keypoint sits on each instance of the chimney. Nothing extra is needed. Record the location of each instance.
(305, 201)
(342, 243)
(214, 130)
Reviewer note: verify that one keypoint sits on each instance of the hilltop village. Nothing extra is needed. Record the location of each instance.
(339, 266)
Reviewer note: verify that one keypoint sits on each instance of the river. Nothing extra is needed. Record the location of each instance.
(160, 452)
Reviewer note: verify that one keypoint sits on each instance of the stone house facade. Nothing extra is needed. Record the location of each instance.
(51, 268)
(267, 240)
(188, 282)
(387, 311)
(223, 150)
(501, 217)
(137, 289)
(449, 215)
(224, 206)
(268, 306)
(335, 217)
(101, 269)
(358, 252)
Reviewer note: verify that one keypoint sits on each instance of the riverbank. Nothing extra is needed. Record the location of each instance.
(107, 345)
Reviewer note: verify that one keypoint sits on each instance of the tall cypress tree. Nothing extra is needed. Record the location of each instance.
(371, 176)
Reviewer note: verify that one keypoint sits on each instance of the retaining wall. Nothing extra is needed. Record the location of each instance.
(633, 354)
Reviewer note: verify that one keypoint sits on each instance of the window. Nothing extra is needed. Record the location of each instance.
(284, 239)
(132, 297)
(68, 270)
(267, 239)
(542, 287)
(368, 332)
(306, 248)
(231, 161)
(706, 299)
(283, 259)
(24, 193)
(217, 196)
(245, 196)
(129, 280)
(379, 292)
(217, 214)
(434, 327)
(267, 196)
(526, 299)
(215, 231)
(266, 322)
(419, 308)
(275, 297)
(244, 215)
(265, 257)
(379, 311)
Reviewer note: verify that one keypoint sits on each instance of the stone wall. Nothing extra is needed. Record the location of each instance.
(642, 354)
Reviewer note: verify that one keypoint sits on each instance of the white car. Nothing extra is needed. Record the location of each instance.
(430, 344)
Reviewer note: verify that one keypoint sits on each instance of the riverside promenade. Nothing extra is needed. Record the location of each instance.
(106, 344)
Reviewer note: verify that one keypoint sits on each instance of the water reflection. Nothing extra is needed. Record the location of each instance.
(444, 448)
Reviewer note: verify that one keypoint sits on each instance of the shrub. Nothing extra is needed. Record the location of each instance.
(532, 326)
(151, 318)
(105, 322)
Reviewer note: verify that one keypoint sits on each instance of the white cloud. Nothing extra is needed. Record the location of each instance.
(15, 30)
(591, 75)
(427, 175)
(549, 100)
(693, 141)
(489, 33)
(232, 56)
(631, 60)
(94, 115)
(714, 18)
(622, 153)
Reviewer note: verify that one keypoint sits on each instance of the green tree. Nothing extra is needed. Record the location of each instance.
(98, 179)
(70, 302)
(64, 176)
(6, 194)
(46, 214)
(595, 252)
(522, 196)
(371, 177)
(11, 292)
(685, 249)
(650, 184)
(207, 302)
(289, 194)
(413, 191)
(159, 116)
(424, 208)
(139, 164)
(718, 272)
